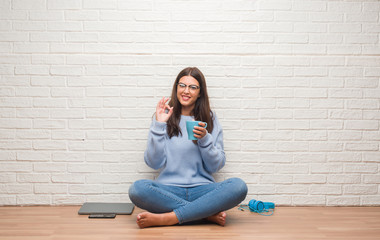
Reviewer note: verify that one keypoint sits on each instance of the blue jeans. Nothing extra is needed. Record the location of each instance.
(189, 204)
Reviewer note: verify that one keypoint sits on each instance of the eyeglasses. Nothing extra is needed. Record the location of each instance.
(192, 88)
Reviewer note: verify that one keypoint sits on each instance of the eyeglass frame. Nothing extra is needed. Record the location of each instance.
(190, 86)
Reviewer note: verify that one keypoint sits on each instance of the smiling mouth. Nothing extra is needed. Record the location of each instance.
(185, 98)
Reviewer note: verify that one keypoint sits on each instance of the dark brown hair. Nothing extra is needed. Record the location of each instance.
(201, 112)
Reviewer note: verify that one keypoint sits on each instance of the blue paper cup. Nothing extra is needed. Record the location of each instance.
(190, 127)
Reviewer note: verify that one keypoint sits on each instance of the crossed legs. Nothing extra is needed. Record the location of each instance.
(170, 205)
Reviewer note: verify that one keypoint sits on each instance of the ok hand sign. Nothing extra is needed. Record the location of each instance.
(161, 114)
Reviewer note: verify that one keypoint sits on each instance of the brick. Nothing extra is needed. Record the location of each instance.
(310, 114)
(293, 124)
(67, 113)
(310, 135)
(33, 134)
(15, 167)
(47, 81)
(292, 147)
(292, 189)
(8, 200)
(7, 178)
(49, 145)
(344, 49)
(326, 168)
(346, 7)
(345, 114)
(49, 103)
(67, 178)
(257, 38)
(15, 123)
(275, 5)
(68, 157)
(33, 156)
(370, 200)
(22, 188)
(310, 93)
(262, 188)
(49, 124)
(32, 92)
(32, 113)
(31, 48)
(31, 70)
(277, 114)
(48, 59)
(68, 135)
(276, 158)
(105, 113)
(293, 103)
(370, 146)
(374, 179)
(33, 178)
(103, 178)
(290, 61)
(294, 169)
(354, 189)
(85, 103)
(276, 135)
(360, 168)
(85, 189)
(27, 5)
(343, 179)
(344, 157)
(309, 157)
(314, 200)
(362, 125)
(15, 145)
(262, 125)
(345, 93)
(309, 179)
(120, 168)
(88, 145)
(371, 157)
(103, 157)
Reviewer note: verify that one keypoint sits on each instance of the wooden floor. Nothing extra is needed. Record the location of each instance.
(63, 223)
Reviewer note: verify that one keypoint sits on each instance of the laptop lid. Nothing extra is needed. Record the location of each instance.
(96, 208)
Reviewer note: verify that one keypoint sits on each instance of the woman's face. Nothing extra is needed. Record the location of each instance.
(188, 91)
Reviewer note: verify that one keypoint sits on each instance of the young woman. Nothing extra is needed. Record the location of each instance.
(185, 190)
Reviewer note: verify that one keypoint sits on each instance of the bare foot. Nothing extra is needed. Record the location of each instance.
(219, 218)
(147, 219)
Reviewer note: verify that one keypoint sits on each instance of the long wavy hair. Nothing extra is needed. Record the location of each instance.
(201, 112)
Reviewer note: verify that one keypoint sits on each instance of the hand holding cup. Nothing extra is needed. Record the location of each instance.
(196, 129)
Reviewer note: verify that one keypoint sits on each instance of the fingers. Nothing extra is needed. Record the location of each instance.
(163, 110)
(162, 103)
(199, 132)
(170, 111)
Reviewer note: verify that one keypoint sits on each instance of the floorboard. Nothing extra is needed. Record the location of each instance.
(63, 222)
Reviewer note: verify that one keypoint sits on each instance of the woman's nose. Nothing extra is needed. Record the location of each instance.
(187, 89)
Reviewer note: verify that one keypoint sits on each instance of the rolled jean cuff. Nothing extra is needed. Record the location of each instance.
(179, 216)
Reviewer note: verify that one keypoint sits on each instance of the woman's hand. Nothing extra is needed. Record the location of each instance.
(161, 114)
(200, 132)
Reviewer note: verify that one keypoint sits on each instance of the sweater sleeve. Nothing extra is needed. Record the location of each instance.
(154, 155)
(212, 148)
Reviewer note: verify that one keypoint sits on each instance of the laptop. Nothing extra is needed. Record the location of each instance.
(90, 208)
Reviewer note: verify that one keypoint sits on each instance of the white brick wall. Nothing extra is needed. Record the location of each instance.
(295, 84)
